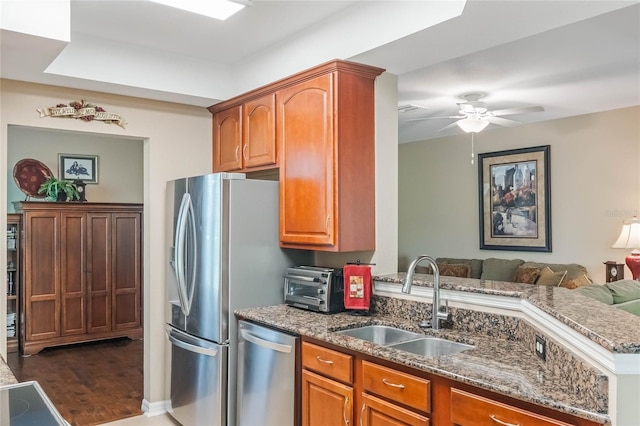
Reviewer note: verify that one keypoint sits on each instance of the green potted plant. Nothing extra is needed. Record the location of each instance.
(59, 189)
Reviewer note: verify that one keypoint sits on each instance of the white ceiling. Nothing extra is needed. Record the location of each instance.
(571, 57)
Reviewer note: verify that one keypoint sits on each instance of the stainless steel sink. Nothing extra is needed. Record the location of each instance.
(380, 334)
(431, 347)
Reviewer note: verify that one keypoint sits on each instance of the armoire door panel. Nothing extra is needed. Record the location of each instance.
(99, 271)
(72, 274)
(42, 280)
(126, 277)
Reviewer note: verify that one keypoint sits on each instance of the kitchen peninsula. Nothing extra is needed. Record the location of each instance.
(590, 364)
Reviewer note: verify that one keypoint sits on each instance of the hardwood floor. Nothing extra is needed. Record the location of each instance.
(89, 383)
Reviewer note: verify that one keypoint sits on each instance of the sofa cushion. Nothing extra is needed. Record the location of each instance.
(454, 270)
(499, 269)
(548, 277)
(624, 290)
(475, 265)
(574, 270)
(577, 282)
(598, 292)
(526, 275)
(632, 306)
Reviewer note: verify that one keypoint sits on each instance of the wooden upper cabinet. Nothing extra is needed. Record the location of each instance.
(227, 140)
(318, 128)
(259, 132)
(305, 133)
(325, 126)
(244, 136)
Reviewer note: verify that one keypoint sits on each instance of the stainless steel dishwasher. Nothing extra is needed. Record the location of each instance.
(266, 376)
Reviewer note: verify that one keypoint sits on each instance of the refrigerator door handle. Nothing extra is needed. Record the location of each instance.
(185, 216)
(189, 347)
(265, 343)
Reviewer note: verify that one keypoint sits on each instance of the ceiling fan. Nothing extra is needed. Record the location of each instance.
(474, 115)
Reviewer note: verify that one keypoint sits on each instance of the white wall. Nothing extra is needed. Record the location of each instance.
(595, 185)
(177, 142)
(119, 164)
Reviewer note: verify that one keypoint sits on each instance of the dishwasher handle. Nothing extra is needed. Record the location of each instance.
(246, 335)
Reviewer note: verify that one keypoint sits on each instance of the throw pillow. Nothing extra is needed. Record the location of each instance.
(548, 277)
(475, 265)
(454, 270)
(574, 270)
(526, 275)
(581, 281)
(598, 292)
(500, 269)
(624, 290)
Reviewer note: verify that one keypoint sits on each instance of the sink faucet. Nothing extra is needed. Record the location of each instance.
(437, 315)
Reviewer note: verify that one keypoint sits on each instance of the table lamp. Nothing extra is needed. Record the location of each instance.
(630, 239)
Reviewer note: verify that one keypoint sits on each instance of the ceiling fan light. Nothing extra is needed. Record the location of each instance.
(472, 125)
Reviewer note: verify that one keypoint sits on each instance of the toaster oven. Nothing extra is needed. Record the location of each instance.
(314, 288)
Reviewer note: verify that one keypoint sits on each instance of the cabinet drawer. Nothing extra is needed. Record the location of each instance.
(468, 409)
(327, 362)
(400, 387)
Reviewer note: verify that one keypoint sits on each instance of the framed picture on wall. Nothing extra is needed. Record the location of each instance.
(83, 167)
(515, 200)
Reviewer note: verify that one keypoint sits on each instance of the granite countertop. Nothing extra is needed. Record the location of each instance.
(502, 366)
(612, 328)
(6, 376)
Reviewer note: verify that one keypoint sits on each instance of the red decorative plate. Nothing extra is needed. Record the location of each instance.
(29, 175)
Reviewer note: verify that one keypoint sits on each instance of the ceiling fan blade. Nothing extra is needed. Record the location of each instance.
(450, 126)
(502, 121)
(520, 110)
(434, 118)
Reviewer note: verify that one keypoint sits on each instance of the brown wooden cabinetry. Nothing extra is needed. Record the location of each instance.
(325, 125)
(83, 273)
(318, 127)
(244, 137)
(14, 280)
(338, 386)
(327, 394)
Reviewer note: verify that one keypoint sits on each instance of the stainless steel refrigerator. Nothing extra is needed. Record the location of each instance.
(224, 255)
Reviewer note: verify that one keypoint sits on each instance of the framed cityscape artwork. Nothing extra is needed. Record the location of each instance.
(515, 199)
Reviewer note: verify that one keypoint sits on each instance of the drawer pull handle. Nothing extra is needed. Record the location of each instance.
(500, 422)
(236, 152)
(364, 407)
(326, 361)
(344, 411)
(395, 385)
(244, 151)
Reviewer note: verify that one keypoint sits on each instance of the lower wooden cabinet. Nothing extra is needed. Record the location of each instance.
(378, 412)
(83, 273)
(342, 387)
(468, 409)
(325, 401)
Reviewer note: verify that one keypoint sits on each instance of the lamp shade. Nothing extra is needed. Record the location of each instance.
(630, 239)
(472, 125)
(629, 236)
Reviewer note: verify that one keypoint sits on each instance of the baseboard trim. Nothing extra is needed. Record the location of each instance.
(151, 409)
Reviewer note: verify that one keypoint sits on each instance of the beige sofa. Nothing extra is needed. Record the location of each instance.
(569, 275)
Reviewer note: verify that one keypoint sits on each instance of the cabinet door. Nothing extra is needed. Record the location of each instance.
(468, 409)
(325, 402)
(125, 270)
(376, 412)
(99, 272)
(42, 275)
(259, 132)
(227, 142)
(305, 132)
(72, 274)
